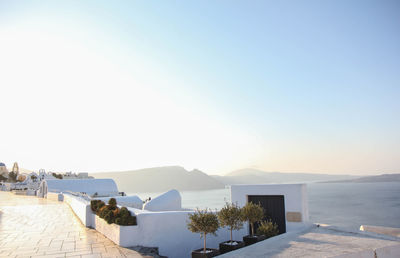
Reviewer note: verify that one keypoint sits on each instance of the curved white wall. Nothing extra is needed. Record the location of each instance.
(169, 201)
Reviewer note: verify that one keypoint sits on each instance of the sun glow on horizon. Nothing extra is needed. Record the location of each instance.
(111, 87)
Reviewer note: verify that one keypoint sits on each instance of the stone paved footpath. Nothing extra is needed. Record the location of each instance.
(35, 227)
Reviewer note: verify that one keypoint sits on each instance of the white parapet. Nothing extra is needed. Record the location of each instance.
(169, 201)
(381, 230)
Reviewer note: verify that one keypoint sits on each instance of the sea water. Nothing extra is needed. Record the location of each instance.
(341, 204)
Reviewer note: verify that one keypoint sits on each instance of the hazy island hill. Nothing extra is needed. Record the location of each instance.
(370, 179)
(160, 179)
(256, 176)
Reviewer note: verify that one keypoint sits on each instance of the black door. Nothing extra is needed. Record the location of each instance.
(274, 209)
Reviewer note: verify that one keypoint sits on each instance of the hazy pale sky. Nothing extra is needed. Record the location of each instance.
(291, 86)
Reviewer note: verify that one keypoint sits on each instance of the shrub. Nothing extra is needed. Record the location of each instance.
(252, 213)
(59, 176)
(203, 222)
(112, 214)
(112, 203)
(231, 216)
(109, 216)
(95, 205)
(116, 211)
(268, 229)
(102, 211)
(124, 218)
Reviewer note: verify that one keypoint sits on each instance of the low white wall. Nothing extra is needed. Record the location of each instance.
(381, 230)
(168, 231)
(295, 197)
(52, 196)
(81, 208)
(169, 201)
(125, 236)
(31, 192)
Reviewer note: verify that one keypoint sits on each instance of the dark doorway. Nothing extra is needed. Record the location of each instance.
(274, 209)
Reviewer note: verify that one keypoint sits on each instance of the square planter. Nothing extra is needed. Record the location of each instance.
(199, 253)
(227, 246)
(125, 236)
(249, 240)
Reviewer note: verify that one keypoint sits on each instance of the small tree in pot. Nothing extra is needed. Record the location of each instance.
(230, 216)
(252, 213)
(204, 222)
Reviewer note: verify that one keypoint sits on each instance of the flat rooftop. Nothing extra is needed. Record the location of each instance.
(322, 241)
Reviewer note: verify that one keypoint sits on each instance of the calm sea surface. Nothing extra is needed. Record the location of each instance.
(340, 204)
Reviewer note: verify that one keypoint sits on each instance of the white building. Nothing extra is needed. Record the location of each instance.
(163, 223)
(103, 187)
(285, 204)
(70, 175)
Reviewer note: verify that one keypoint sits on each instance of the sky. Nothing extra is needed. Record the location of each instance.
(289, 86)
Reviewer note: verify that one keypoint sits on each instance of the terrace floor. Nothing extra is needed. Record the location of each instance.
(323, 241)
(35, 227)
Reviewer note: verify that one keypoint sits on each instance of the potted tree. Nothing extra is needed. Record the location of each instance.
(230, 216)
(268, 229)
(252, 213)
(203, 222)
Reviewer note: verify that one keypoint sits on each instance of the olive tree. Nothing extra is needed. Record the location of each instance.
(231, 216)
(252, 213)
(203, 222)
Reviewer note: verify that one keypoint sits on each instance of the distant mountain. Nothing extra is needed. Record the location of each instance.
(174, 177)
(255, 176)
(371, 179)
(161, 179)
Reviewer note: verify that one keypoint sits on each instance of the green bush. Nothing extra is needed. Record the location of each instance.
(112, 214)
(95, 205)
(112, 203)
(268, 228)
(124, 218)
(108, 216)
(252, 213)
(102, 211)
(59, 176)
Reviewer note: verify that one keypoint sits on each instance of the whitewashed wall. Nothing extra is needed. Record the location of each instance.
(52, 196)
(81, 208)
(295, 196)
(168, 231)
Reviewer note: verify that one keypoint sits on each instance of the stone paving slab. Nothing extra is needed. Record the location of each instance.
(36, 227)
